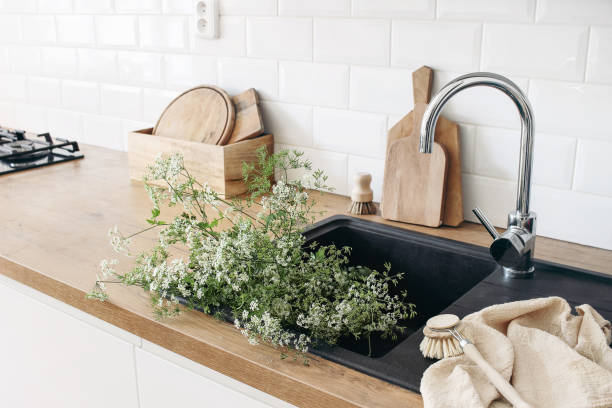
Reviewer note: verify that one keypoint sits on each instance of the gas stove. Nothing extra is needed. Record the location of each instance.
(20, 150)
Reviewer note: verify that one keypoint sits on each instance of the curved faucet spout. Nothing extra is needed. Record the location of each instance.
(428, 125)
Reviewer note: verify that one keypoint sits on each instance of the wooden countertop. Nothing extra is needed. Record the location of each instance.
(54, 223)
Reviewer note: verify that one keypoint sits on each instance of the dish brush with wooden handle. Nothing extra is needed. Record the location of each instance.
(362, 195)
(442, 339)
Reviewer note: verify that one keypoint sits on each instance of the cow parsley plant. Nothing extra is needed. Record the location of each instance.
(247, 259)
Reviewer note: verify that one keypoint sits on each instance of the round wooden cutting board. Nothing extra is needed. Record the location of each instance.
(202, 114)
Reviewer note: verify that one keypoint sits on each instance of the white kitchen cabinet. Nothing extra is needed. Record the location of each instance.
(164, 384)
(51, 359)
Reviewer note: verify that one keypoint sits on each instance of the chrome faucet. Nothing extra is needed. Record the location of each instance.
(513, 249)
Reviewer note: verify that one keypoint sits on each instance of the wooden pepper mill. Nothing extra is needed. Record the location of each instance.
(362, 195)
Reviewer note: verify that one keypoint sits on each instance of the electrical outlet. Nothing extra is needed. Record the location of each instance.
(207, 18)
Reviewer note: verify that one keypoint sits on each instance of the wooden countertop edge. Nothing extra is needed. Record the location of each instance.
(279, 383)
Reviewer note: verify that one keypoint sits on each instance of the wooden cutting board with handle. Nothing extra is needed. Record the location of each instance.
(249, 123)
(447, 135)
(414, 183)
(202, 114)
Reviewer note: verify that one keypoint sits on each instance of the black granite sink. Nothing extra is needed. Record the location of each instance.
(441, 276)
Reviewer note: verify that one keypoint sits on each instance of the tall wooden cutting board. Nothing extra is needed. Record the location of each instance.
(202, 114)
(447, 135)
(414, 183)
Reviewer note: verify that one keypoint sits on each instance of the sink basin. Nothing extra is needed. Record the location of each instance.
(436, 271)
(441, 276)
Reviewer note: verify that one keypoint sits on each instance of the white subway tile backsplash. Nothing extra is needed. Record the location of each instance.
(155, 101)
(290, 123)
(231, 43)
(362, 134)
(599, 64)
(177, 6)
(333, 164)
(496, 153)
(314, 7)
(63, 123)
(248, 7)
(103, 131)
(93, 7)
(480, 105)
(14, 87)
(163, 32)
(18, 6)
(45, 91)
(553, 164)
(315, 84)
(557, 52)
(489, 10)
(121, 101)
(23, 59)
(239, 74)
(467, 145)
(138, 6)
(376, 167)
(31, 117)
(12, 29)
(384, 90)
(61, 62)
(285, 38)
(54, 6)
(572, 109)
(594, 167)
(7, 113)
(353, 41)
(570, 11)
(75, 29)
(588, 223)
(117, 31)
(98, 65)
(39, 29)
(495, 197)
(80, 96)
(394, 8)
(139, 67)
(440, 45)
(185, 71)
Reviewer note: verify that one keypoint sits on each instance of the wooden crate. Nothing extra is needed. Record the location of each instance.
(219, 166)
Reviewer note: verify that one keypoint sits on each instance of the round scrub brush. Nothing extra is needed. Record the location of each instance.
(443, 340)
(362, 195)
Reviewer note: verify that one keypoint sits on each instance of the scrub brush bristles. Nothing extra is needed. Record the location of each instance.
(439, 345)
(362, 195)
(362, 208)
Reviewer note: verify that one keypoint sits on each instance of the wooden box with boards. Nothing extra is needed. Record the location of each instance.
(214, 132)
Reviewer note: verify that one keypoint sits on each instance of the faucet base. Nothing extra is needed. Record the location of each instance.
(511, 273)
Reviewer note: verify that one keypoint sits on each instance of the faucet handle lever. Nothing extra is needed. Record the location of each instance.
(485, 222)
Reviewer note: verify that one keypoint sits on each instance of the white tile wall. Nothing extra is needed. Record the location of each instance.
(334, 75)
(394, 8)
(356, 41)
(284, 38)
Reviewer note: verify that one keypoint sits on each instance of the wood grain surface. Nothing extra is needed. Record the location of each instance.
(249, 122)
(202, 114)
(54, 221)
(447, 135)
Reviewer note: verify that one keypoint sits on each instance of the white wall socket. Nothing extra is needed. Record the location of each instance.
(207, 18)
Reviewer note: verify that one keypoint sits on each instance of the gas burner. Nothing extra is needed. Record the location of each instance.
(26, 148)
(20, 150)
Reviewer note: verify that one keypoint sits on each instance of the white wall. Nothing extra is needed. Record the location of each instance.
(334, 76)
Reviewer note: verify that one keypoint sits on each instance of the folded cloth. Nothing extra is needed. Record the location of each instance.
(553, 358)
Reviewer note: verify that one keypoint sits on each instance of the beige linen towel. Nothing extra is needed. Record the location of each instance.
(554, 359)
